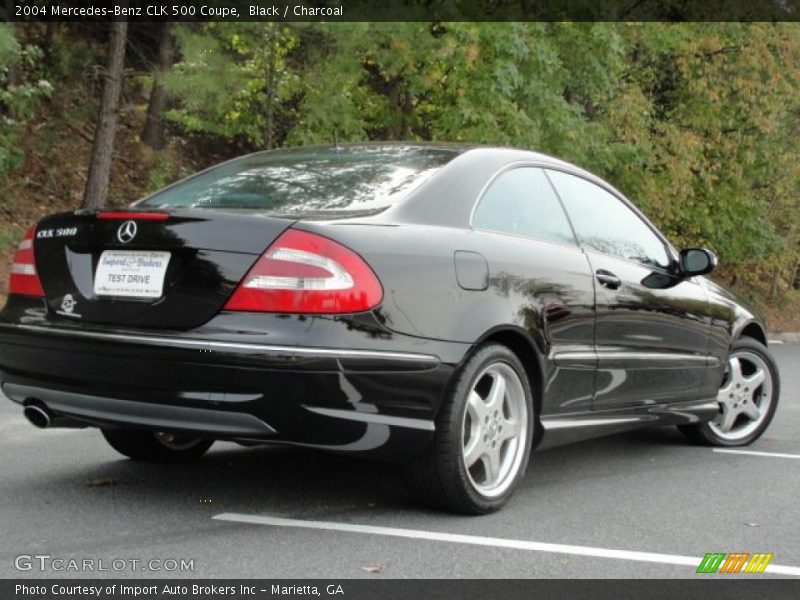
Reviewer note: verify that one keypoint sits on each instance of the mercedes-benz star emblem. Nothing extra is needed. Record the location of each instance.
(127, 231)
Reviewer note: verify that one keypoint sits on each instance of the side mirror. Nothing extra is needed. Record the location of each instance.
(697, 261)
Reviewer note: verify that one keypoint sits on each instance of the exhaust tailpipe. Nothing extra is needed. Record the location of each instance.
(37, 416)
(42, 418)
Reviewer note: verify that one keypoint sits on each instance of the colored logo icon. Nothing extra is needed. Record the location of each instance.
(735, 562)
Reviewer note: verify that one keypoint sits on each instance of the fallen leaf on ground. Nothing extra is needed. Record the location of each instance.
(376, 568)
(101, 482)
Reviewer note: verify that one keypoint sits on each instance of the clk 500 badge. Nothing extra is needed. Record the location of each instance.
(59, 232)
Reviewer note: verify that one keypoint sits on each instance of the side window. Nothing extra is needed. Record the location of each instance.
(522, 202)
(604, 223)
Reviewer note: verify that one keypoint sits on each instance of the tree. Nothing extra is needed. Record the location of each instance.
(153, 131)
(697, 123)
(11, 69)
(22, 87)
(232, 80)
(103, 146)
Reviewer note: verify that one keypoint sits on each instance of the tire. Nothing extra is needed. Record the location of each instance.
(482, 442)
(153, 447)
(748, 397)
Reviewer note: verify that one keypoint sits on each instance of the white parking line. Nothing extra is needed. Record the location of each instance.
(754, 453)
(477, 540)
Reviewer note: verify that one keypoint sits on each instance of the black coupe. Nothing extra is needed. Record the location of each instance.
(446, 307)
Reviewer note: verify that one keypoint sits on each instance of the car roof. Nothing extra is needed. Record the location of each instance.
(475, 150)
(447, 199)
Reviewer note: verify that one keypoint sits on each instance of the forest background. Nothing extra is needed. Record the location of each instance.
(697, 123)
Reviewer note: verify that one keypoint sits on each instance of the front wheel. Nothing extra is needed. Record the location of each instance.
(747, 398)
(156, 447)
(483, 436)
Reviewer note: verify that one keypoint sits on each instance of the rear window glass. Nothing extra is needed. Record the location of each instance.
(363, 179)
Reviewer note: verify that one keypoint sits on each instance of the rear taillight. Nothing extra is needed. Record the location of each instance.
(24, 279)
(303, 272)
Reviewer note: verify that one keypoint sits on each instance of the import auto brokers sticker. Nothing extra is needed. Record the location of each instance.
(131, 273)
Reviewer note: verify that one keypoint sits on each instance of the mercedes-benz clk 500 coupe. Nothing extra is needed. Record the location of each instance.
(448, 308)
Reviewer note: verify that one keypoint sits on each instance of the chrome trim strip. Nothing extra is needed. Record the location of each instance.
(199, 343)
(353, 415)
(666, 356)
(653, 411)
(553, 424)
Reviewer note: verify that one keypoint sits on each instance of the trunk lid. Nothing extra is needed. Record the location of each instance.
(172, 273)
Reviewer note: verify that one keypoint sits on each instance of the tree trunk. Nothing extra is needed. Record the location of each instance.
(153, 131)
(11, 70)
(269, 101)
(408, 109)
(773, 286)
(47, 43)
(103, 147)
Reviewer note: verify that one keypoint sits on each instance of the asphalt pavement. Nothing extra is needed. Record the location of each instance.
(643, 504)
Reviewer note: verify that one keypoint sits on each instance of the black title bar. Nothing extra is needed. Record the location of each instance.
(403, 10)
(713, 588)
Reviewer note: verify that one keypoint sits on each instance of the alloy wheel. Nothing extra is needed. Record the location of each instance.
(745, 396)
(495, 430)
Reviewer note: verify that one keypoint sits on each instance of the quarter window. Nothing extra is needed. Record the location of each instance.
(604, 223)
(522, 202)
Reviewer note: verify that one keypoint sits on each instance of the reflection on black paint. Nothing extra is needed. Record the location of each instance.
(197, 281)
(545, 300)
(660, 281)
(321, 181)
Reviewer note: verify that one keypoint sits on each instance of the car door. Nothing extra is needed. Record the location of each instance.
(652, 326)
(543, 279)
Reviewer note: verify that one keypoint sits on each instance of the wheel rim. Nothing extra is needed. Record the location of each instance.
(175, 441)
(494, 430)
(744, 398)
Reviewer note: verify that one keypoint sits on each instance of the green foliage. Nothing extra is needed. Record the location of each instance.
(9, 237)
(696, 122)
(723, 114)
(232, 79)
(158, 176)
(164, 172)
(9, 46)
(20, 97)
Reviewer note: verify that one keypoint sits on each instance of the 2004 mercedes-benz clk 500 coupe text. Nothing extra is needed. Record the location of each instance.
(449, 308)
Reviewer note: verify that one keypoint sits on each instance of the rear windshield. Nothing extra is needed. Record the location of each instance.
(347, 180)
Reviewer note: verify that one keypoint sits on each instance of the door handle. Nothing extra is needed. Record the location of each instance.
(608, 279)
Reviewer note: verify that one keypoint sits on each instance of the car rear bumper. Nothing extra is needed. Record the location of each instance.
(210, 382)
